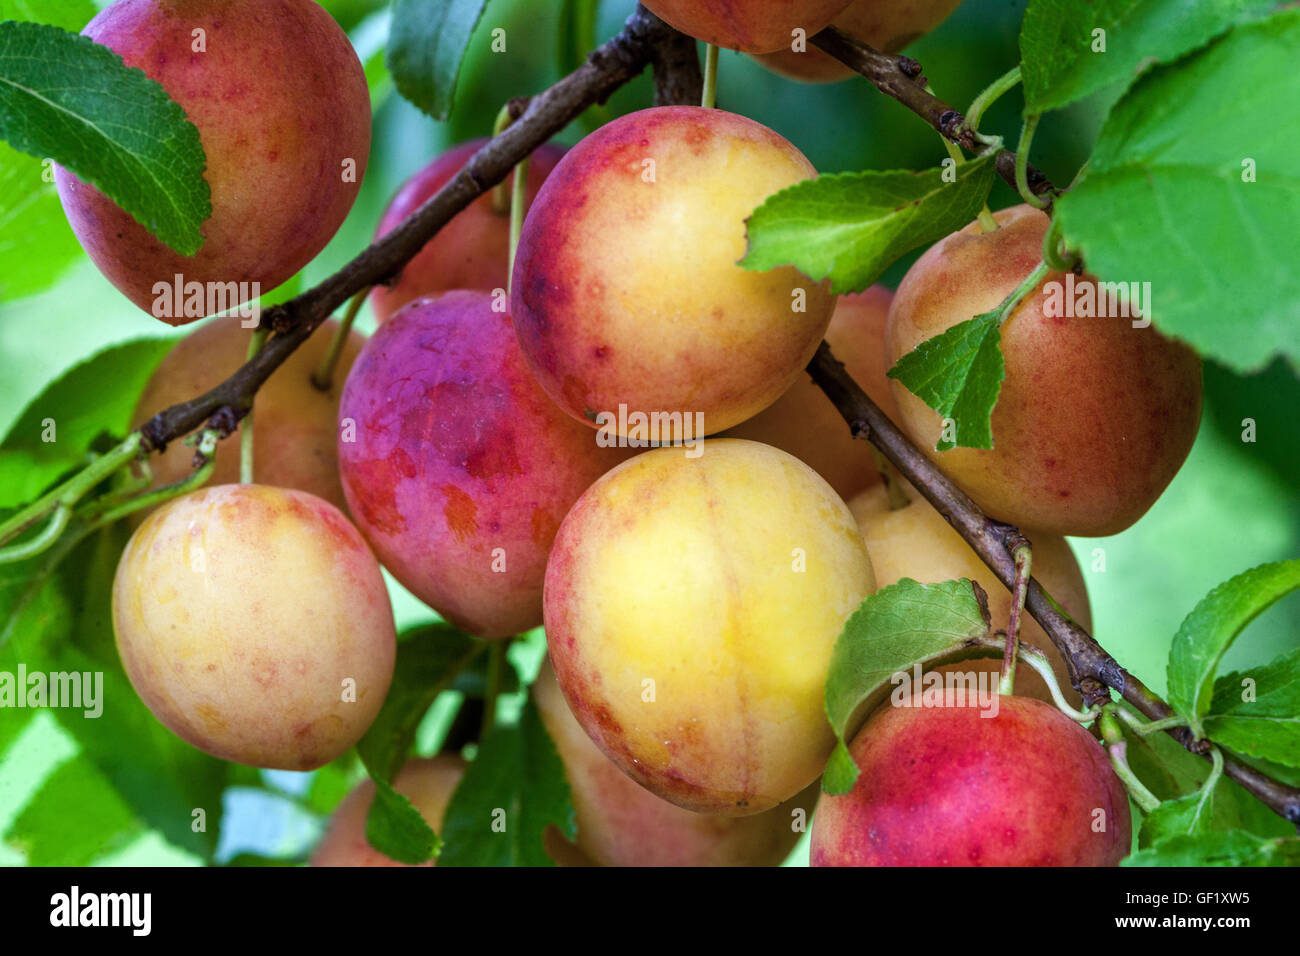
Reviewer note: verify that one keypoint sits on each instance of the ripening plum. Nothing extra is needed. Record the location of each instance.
(473, 250)
(254, 623)
(627, 292)
(751, 26)
(283, 112)
(427, 782)
(807, 424)
(916, 542)
(456, 467)
(620, 823)
(692, 605)
(295, 435)
(945, 786)
(1095, 416)
(887, 25)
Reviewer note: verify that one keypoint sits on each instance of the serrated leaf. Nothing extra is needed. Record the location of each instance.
(1264, 722)
(1209, 630)
(1230, 848)
(959, 374)
(1167, 194)
(396, 829)
(426, 45)
(1057, 40)
(899, 626)
(850, 227)
(1183, 816)
(514, 789)
(428, 660)
(36, 243)
(66, 97)
(1170, 772)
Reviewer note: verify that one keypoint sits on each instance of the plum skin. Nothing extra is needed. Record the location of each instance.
(627, 289)
(1094, 417)
(726, 581)
(944, 786)
(240, 611)
(620, 823)
(455, 465)
(280, 102)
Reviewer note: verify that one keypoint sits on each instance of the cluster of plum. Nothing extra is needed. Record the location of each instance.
(691, 599)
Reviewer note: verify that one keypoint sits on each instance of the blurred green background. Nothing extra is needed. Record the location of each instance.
(1233, 506)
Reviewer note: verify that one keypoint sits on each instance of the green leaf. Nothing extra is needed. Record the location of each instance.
(1171, 772)
(36, 243)
(68, 98)
(1230, 848)
(1267, 724)
(1207, 633)
(511, 793)
(1183, 816)
(1166, 199)
(426, 45)
(899, 626)
(850, 227)
(1058, 59)
(959, 374)
(65, 14)
(396, 829)
(57, 428)
(75, 817)
(428, 660)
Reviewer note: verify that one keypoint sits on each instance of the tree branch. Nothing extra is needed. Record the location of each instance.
(900, 77)
(607, 68)
(1092, 670)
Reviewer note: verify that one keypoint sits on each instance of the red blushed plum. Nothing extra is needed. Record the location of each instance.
(807, 424)
(1095, 415)
(470, 252)
(627, 292)
(456, 466)
(887, 25)
(254, 623)
(427, 783)
(945, 786)
(751, 26)
(282, 109)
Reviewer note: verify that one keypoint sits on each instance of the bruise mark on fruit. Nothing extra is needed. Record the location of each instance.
(373, 485)
(460, 512)
(544, 526)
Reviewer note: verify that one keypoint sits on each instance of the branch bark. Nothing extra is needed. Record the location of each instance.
(607, 68)
(901, 78)
(1092, 669)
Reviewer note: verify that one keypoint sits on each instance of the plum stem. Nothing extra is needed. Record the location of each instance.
(710, 95)
(1022, 554)
(986, 220)
(1117, 748)
(501, 192)
(72, 490)
(323, 376)
(1022, 163)
(246, 434)
(518, 209)
(989, 96)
